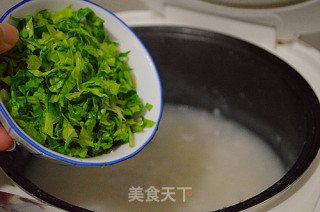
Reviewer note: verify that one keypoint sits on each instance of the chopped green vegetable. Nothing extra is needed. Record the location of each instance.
(67, 85)
(149, 106)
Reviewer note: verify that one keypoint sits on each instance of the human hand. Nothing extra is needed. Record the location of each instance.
(9, 36)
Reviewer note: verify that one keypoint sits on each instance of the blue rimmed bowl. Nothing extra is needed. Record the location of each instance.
(147, 79)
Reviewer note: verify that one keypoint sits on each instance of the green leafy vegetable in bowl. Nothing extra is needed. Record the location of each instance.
(68, 87)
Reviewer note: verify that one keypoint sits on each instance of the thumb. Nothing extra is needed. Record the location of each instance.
(9, 36)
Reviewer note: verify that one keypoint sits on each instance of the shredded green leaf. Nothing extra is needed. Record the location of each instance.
(68, 86)
(149, 106)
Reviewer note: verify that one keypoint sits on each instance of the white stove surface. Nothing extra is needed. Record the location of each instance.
(304, 195)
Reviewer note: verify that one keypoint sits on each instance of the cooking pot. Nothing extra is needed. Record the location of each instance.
(210, 71)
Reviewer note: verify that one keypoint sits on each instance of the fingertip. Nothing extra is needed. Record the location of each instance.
(6, 142)
(9, 37)
(13, 146)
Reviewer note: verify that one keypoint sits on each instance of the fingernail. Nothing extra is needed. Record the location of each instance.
(13, 147)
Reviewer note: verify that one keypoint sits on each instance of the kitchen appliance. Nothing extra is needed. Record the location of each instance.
(269, 31)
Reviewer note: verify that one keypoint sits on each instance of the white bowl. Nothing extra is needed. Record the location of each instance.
(148, 82)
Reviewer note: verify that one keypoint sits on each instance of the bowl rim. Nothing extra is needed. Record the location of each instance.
(50, 154)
